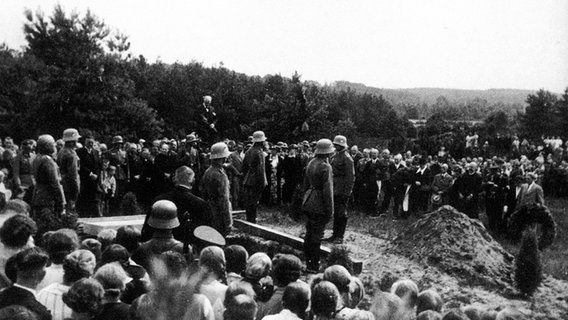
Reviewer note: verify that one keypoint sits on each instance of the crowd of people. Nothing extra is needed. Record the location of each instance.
(115, 276)
(185, 184)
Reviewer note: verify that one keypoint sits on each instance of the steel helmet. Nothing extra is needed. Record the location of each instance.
(71, 134)
(340, 141)
(219, 151)
(163, 215)
(324, 146)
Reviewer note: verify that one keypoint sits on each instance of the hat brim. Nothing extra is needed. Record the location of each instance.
(209, 235)
(163, 223)
(258, 139)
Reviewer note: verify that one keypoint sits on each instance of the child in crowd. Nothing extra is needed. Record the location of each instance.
(107, 186)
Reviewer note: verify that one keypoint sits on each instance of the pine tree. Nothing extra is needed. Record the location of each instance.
(528, 273)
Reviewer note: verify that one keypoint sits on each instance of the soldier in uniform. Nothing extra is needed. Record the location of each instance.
(343, 180)
(216, 191)
(69, 167)
(254, 172)
(318, 201)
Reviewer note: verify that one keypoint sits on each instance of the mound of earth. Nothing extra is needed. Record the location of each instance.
(460, 246)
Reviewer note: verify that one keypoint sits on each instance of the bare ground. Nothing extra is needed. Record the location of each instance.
(371, 240)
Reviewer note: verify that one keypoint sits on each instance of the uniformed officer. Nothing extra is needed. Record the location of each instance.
(343, 180)
(68, 162)
(215, 189)
(254, 172)
(318, 201)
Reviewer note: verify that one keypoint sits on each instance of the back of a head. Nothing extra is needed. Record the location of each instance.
(77, 265)
(18, 206)
(240, 307)
(489, 315)
(339, 276)
(128, 237)
(407, 290)
(30, 262)
(113, 278)
(115, 253)
(236, 288)
(325, 299)
(286, 268)
(184, 176)
(168, 265)
(455, 314)
(510, 314)
(92, 245)
(212, 258)
(429, 315)
(429, 300)
(236, 257)
(472, 313)
(17, 230)
(258, 266)
(59, 246)
(296, 297)
(386, 306)
(16, 312)
(84, 296)
(106, 237)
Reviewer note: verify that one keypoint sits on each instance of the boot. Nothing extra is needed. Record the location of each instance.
(339, 232)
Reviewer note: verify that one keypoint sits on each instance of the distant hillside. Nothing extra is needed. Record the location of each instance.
(418, 96)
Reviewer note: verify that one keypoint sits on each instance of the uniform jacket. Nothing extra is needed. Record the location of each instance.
(254, 168)
(215, 190)
(48, 190)
(343, 173)
(192, 212)
(69, 167)
(318, 188)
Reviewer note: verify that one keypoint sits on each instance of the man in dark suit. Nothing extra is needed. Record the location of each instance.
(469, 187)
(30, 264)
(254, 175)
(89, 170)
(514, 196)
(420, 188)
(192, 210)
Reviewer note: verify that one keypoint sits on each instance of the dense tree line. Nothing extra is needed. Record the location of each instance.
(77, 72)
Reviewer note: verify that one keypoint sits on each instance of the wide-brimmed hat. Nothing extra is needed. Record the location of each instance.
(163, 215)
(340, 141)
(258, 136)
(324, 146)
(71, 134)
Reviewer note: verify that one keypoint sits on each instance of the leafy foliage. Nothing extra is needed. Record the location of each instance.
(528, 272)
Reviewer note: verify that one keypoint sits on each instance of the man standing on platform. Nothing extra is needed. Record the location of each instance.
(255, 175)
(343, 181)
(207, 119)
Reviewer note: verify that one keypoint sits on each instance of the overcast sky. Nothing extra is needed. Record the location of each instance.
(474, 44)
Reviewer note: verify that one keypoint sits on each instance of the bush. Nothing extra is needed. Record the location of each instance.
(528, 272)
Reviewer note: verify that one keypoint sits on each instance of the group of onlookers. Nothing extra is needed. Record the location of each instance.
(117, 275)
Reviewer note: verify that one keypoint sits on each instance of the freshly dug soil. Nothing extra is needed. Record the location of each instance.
(459, 246)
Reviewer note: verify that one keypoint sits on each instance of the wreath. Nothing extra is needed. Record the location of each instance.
(530, 215)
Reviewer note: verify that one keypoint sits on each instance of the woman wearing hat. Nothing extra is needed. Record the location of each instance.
(318, 201)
